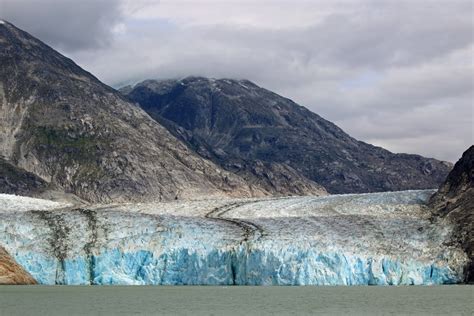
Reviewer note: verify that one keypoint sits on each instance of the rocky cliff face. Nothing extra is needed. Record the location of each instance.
(454, 203)
(75, 134)
(254, 133)
(14, 180)
(11, 272)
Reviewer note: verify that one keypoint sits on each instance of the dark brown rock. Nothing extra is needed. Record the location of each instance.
(454, 202)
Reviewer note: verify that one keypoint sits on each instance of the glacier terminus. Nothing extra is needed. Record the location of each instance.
(352, 239)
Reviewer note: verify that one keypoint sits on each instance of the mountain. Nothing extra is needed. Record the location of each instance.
(454, 202)
(253, 132)
(62, 129)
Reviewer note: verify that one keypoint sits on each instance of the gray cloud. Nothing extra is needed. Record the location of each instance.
(394, 73)
(69, 25)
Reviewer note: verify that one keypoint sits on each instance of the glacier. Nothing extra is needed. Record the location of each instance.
(354, 239)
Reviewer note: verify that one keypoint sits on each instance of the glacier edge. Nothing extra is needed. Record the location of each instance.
(372, 239)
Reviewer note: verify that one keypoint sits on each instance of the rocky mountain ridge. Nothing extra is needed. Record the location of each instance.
(454, 203)
(241, 126)
(61, 124)
(63, 130)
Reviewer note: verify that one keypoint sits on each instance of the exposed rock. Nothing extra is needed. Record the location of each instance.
(11, 272)
(454, 202)
(276, 178)
(14, 180)
(61, 124)
(252, 131)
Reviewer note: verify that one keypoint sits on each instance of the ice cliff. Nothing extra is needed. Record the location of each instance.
(378, 238)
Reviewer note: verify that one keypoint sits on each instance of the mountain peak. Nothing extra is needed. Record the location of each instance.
(44, 62)
(195, 81)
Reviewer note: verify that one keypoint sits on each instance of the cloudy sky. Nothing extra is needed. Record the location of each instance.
(398, 74)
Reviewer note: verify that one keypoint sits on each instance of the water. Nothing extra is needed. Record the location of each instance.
(210, 300)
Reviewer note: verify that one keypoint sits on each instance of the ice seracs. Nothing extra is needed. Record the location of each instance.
(381, 238)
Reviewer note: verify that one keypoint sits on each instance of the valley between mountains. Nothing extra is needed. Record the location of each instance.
(64, 133)
(209, 181)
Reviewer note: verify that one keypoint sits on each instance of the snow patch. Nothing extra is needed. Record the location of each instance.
(15, 203)
(243, 86)
(2, 22)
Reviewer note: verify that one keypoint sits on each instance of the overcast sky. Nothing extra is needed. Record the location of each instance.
(398, 74)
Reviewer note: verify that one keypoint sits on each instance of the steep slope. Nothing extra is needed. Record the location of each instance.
(271, 176)
(239, 125)
(14, 180)
(78, 135)
(454, 202)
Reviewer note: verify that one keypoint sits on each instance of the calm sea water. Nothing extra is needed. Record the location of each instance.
(200, 300)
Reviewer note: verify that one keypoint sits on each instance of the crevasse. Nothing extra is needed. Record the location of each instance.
(375, 239)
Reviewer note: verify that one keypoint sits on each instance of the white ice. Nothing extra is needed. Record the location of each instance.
(380, 238)
(15, 203)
